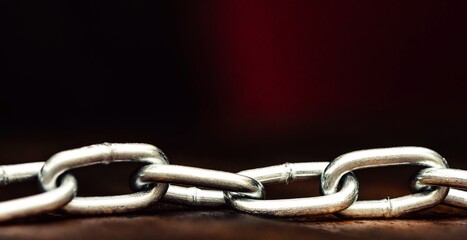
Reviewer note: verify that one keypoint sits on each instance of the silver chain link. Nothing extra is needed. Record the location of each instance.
(243, 191)
(385, 157)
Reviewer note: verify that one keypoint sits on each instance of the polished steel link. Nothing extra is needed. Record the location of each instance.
(295, 207)
(105, 154)
(193, 176)
(36, 204)
(385, 157)
(445, 177)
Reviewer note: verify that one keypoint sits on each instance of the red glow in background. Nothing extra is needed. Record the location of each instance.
(290, 62)
(293, 75)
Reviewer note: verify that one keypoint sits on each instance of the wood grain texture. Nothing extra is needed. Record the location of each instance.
(169, 222)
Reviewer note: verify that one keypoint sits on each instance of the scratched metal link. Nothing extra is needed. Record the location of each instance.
(385, 157)
(453, 178)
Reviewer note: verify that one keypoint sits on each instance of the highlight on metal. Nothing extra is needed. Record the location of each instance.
(244, 191)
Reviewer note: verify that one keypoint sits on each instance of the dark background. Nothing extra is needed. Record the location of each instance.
(233, 84)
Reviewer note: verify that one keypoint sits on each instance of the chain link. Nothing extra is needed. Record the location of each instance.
(444, 177)
(105, 154)
(36, 204)
(242, 191)
(385, 157)
(245, 186)
(289, 172)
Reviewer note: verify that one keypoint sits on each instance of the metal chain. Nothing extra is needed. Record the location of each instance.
(385, 157)
(104, 154)
(297, 206)
(243, 191)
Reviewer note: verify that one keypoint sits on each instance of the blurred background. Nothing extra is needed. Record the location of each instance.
(233, 84)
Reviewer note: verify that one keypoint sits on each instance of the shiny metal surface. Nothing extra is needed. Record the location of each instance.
(243, 191)
(453, 178)
(385, 157)
(36, 204)
(192, 176)
(104, 154)
(193, 196)
(295, 207)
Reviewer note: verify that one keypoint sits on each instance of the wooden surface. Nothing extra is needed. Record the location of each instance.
(439, 223)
